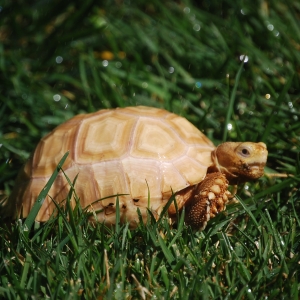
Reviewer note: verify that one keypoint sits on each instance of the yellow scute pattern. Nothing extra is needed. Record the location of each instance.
(103, 137)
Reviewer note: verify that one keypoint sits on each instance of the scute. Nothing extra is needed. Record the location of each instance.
(142, 180)
(144, 111)
(95, 141)
(137, 153)
(155, 139)
(171, 177)
(187, 131)
(109, 180)
(189, 167)
(52, 148)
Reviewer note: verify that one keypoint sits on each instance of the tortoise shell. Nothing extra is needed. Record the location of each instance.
(136, 151)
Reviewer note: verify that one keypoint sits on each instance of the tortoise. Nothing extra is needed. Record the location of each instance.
(139, 154)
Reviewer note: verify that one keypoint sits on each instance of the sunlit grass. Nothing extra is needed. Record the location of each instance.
(244, 251)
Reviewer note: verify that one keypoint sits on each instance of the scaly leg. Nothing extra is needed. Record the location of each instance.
(210, 198)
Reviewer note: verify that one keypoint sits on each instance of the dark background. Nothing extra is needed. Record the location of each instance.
(61, 58)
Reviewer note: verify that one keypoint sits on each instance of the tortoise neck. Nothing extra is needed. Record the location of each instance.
(217, 167)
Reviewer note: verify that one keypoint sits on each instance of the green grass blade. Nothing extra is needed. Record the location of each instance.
(274, 115)
(43, 194)
(248, 211)
(231, 101)
(24, 276)
(168, 254)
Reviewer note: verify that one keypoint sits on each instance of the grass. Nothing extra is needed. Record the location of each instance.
(230, 68)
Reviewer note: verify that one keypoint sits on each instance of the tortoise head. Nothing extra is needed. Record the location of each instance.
(240, 162)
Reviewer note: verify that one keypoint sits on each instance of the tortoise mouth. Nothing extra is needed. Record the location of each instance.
(256, 170)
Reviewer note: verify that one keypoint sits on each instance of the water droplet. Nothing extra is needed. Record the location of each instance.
(59, 59)
(249, 291)
(118, 64)
(56, 97)
(276, 33)
(270, 27)
(229, 126)
(105, 63)
(196, 27)
(290, 104)
(192, 17)
(198, 84)
(186, 10)
(244, 58)
(246, 187)
(243, 12)
(267, 96)
(66, 106)
(171, 70)
(144, 85)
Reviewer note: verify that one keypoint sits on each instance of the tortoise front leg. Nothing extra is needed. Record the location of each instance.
(210, 198)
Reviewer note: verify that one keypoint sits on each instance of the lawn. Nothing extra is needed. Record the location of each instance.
(230, 67)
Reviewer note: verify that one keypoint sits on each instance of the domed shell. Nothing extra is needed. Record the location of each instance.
(135, 151)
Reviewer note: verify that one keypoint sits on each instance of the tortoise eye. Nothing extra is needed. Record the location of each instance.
(245, 152)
